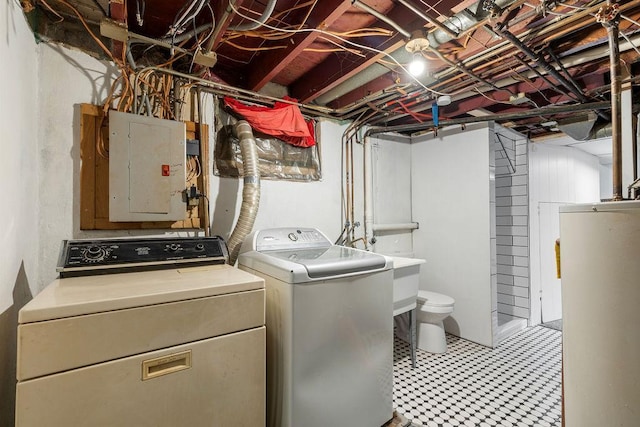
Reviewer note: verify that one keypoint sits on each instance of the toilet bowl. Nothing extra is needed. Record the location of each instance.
(432, 309)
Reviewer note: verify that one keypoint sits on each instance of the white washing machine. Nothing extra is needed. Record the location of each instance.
(329, 329)
(143, 332)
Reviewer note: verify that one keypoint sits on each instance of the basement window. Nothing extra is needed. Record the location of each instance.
(278, 160)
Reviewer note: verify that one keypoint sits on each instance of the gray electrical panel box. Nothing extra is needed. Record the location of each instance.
(146, 168)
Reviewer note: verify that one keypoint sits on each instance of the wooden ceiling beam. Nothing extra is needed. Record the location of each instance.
(266, 67)
(223, 10)
(333, 71)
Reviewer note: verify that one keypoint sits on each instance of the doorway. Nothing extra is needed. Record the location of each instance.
(550, 285)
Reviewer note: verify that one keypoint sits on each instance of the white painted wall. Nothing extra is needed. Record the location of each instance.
(285, 203)
(67, 79)
(557, 174)
(391, 158)
(72, 78)
(606, 181)
(451, 201)
(18, 185)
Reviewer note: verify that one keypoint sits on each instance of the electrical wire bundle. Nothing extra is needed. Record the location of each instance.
(185, 16)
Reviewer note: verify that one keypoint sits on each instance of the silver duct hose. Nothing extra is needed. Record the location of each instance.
(250, 189)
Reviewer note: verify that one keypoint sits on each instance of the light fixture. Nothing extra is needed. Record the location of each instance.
(416, 46)
(443, 100)
(417, 65)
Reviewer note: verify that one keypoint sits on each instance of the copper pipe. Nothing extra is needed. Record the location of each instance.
(616, 105)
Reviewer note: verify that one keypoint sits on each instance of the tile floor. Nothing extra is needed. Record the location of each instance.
(515, 384)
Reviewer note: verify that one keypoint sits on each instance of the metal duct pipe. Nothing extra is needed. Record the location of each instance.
(579, 126)
(268, 10)
(461, 21)
(604, 131)
(427, 18)
(381, 17)
(250, 189)
(585, 130)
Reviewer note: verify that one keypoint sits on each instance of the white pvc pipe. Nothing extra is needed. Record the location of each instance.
(368, 185)
(396, 227)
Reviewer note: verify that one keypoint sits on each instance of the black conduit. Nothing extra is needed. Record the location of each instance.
(540, 61)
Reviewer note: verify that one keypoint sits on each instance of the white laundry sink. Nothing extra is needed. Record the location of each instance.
(406, 280)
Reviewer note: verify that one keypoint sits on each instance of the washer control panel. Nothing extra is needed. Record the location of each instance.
(290, 238)
(109, 254)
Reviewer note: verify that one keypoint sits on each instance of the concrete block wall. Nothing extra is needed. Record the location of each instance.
(512, 224)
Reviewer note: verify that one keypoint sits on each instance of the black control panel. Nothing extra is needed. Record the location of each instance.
(102, 256)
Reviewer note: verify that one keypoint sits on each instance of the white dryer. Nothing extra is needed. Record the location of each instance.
(329, 329)
(143, 332)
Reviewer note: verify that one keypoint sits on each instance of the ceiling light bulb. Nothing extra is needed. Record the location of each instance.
(417, 65)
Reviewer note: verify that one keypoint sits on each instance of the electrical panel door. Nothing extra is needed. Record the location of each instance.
(146, 168)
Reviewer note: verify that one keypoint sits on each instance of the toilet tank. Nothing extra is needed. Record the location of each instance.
(406, 280)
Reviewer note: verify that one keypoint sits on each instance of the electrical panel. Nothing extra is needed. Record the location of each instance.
(146, 168)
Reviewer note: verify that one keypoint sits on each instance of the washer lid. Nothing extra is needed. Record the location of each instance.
(435, 299)
(331, 261)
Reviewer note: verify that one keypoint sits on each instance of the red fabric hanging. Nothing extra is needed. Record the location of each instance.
(284, 121)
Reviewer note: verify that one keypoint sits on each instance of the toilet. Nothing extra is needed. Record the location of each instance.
(432, 309)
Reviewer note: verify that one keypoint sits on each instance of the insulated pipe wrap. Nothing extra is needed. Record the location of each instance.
(250, 189)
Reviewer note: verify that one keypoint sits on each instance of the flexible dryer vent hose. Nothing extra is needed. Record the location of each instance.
(250, 189)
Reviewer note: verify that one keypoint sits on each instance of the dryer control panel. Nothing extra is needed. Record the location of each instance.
(103, 256)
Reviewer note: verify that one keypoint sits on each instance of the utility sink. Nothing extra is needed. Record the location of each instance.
(406, 280)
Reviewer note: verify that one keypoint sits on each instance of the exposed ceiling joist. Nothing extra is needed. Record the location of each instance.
(477, 68)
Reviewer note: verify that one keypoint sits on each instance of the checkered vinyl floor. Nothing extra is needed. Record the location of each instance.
(515, 384)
